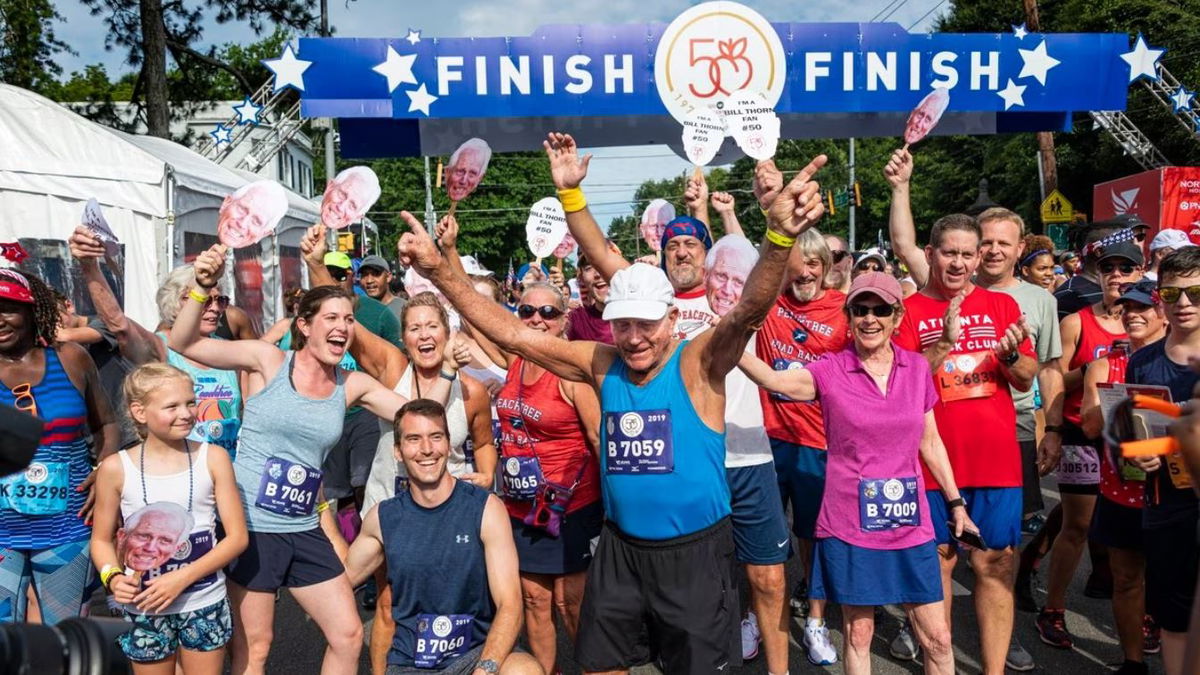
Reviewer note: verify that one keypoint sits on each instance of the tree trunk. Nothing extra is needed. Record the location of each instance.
(154, 68)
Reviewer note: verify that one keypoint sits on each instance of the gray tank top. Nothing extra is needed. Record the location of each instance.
(284, 440)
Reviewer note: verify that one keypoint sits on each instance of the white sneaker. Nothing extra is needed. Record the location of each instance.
(903, 646)
(816, 640)
(750, 637)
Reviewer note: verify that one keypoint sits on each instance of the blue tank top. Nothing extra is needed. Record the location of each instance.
(285, 437)
(218, 402)
(654, 486)
(438, 616)
(38, 505)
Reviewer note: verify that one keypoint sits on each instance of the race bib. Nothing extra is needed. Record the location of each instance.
(40, 490)
(401, 484)
(520, 477)
(639, 442)
(1178, 471)
(888, 503)
(192, 549)
(222, 432)
(964, 376)
(1079, 465)
(441, 637)
(287, 488)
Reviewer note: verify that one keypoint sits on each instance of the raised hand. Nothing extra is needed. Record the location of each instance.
(951, 325)
(768, 183)
(457, 354)
(312, 245)
(556, 277)
(210, 266)
(1013, 336)
(567, 169)
(799, 204)
(722, 202)
(695, 195)
(416, 248)
(447, 233)
(898, 171)
(85, 245)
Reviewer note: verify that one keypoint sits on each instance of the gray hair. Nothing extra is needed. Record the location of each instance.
(560, 299)
(169, 510)
(478, 145)
(734, 245)
(175, 287)
(811, 244)
(277, 201)
(366, 176)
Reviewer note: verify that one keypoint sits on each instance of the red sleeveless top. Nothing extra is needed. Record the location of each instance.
(1094, 343)
(546, 425)
(1127, 493)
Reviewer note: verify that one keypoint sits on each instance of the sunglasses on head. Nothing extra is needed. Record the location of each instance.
(870, 267)
(1110, 267)
(839, 256)
(24, 398)
(1171, 294)
(547, 312)
(881, 311)
(338, 273)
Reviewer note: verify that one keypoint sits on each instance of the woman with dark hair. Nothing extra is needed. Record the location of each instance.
(45, 520)
(1037, 263)
(295, 405)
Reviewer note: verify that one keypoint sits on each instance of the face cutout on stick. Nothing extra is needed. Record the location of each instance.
(251, 213)
(349, 196)
(926, 115)
(467, 167)
(658, 213)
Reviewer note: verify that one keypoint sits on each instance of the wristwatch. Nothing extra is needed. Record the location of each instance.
(1053, 429)
(488, 666)
(952, 503)
(1011, 358)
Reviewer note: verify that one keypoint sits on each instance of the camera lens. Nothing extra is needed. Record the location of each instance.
(74, 646)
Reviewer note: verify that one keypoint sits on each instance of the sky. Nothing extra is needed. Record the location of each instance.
(619, 169)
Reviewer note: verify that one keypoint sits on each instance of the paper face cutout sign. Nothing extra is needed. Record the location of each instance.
(467, 167)
(251, 213)
(152, 535)
(703, 134)
(546, 227)
(654, 221)
(93, 219)
(566, 247)
(752, 123)
(926, 115)
(414, 283)
(349, 196)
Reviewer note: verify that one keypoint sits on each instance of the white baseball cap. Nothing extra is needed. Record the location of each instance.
(1170, 239)
(473, 268)
(639, 291)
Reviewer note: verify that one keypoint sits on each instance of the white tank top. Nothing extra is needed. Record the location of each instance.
(385, 468)
(174, 488)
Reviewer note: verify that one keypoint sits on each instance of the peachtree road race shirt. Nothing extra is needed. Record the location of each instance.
(975, 414)
(695, 314)
(794, 335)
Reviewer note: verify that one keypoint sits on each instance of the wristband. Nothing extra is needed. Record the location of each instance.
(448, 376)
(763, 211)
(953, 503)
(195, 295)
(572, 200)
(781, 240)
(324, 506)
(107, 573)
(1053, 429)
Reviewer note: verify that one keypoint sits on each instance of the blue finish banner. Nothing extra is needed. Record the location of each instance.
(703, 56)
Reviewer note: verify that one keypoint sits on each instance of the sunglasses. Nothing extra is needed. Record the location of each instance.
(338, 273)
(839, 256)
(24, 398)
(881, 311)
(870, 267)
(547, 312)
(1110, 267)
(1171, 294)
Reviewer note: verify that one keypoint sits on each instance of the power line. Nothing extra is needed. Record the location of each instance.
(894, 10)
(880, 12)
(931, 11)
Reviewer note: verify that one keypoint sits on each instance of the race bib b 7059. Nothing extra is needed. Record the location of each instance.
(639, 442)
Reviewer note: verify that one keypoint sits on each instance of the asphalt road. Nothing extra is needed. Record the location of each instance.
(298, 645)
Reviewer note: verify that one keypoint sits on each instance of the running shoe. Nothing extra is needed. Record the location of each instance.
(799, 600)
(750, 637)
(1052, 628)
(369, 595)
(1132, 668)
(816, 640)
(1031, 525)
(904, 646)
(1151, 636)
(1018, 658)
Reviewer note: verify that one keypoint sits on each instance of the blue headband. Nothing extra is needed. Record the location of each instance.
(1033, 256)
(689, 227)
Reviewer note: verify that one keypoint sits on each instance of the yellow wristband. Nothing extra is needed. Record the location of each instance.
(780, 240)
(108, 573)
(195, 295)
(324, 506)
(572, 200)
(764, 211)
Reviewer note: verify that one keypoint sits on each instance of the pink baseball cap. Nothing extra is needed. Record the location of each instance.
(878, 283)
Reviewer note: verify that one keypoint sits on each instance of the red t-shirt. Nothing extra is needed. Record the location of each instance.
(975, 413)
(795, 334)
(535, 420)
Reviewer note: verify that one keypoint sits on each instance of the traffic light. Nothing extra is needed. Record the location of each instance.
(832, 208)
(857, 195)
(345, 242)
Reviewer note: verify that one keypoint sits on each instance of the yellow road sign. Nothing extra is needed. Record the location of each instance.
(1057, 209)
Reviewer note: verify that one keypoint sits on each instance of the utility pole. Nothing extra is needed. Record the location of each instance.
(1045, 139)
(330, 162)
(429, 222)
(851, 189)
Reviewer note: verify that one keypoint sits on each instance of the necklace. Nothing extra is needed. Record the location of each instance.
(887, 370)
(142, 470)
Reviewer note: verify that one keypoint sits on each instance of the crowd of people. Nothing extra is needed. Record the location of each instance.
(486, 462)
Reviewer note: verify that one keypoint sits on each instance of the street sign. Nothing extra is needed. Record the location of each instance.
(1058, 234)
(1057, 209)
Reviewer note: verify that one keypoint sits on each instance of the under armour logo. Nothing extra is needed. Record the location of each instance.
(462, 538)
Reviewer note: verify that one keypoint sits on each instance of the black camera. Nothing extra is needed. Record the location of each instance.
(73, 647)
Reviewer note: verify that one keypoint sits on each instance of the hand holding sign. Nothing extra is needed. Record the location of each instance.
(349, 196)
(93, 219)
(926, 115)
(546, 226)
(703, 134)
(658, 213)
(251, 213)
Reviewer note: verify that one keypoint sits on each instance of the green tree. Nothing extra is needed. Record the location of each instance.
(28, 44)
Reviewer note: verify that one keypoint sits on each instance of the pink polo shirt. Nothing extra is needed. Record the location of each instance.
(874, 486)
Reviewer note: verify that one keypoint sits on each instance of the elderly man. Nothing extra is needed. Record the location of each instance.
(661, 582)
(467, 166)
(251, 213)
(152, 535)
(348, 196)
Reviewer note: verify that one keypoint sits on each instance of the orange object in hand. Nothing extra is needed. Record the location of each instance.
(1156, 404)
(1151, 447)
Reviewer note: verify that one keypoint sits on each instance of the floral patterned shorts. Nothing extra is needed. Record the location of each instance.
(154, 638)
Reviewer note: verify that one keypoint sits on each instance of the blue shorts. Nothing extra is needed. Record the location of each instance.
(853, 575)
(760, 533)
(156, 637)
(801, 475)
(997, 512)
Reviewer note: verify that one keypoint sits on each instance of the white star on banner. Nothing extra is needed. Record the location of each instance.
(289, 70)
(1020, 32)
(1037, 62)
(248, 111)
(1013, 94)
(413, 37)
(222, 134)
(1142, 60)
(397, 69)
(1182, 99)
(420, 99)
